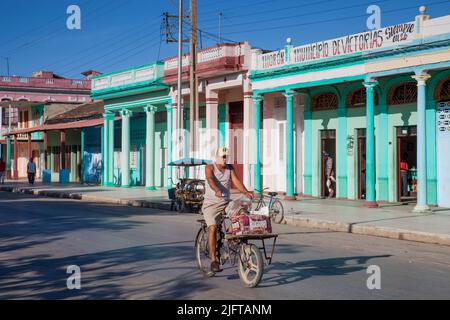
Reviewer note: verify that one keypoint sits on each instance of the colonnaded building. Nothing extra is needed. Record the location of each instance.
(370, 100)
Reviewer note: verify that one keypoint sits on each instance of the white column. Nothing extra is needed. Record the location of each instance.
(421, 144)
(212, 122)
(249, 123)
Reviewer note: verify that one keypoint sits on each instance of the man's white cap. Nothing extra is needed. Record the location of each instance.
(222, 151)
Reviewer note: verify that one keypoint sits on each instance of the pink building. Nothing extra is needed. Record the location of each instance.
(26, 102)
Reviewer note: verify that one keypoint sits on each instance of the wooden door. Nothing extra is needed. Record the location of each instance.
(236, 116)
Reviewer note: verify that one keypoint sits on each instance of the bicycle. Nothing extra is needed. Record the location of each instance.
(117, 180)
(94, 179)
(233, 248)
(275, 206)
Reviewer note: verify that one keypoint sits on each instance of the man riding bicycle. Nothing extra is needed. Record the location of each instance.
(219, 176)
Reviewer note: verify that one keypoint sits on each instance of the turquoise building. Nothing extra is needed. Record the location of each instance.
(137, 125)
(368, 99)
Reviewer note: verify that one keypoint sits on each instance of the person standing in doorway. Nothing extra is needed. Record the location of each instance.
(329, 174)
(2, 171)
(404, 167)
(31, 171)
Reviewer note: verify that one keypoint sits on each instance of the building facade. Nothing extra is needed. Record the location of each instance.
(27, 102)
(136, 147)
(225, 112)
(369, 100)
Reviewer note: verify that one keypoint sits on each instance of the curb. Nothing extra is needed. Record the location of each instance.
(88, 198)
(369, 230)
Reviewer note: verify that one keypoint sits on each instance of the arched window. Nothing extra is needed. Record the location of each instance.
(324, 101)
(403, 93)
(443, 90)
(357, 98)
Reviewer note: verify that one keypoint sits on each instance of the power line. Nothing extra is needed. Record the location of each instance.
(255, 13)
(248, 4)
(116, 38)
(320, 12)
(213, 36)
(4, 43)
(118, 44)
(60, 30)
(129, 56)
(329, 20)
(104, 55)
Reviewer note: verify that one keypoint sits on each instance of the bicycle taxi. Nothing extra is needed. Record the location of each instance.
(241, 225)
(187, 194)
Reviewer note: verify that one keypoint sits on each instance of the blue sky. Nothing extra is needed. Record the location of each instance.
(117, 34)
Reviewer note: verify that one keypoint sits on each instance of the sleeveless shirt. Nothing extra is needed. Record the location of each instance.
(223, 182)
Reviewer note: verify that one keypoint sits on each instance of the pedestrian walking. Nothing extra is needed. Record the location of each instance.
(31, 171)
(2, 171)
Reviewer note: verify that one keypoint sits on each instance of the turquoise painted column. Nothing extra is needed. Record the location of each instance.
(307, 140)
(125, 155)
(382, 152)
(222, 123)
(341, 156)
(421, 205)
(8, 157)
(82, 155)
(105, 149)
(289, 145)
(257, 169)
(102, 134)
(111, 149)
(150, 148)
(431, 151)
(108, 138)
(170, 141)
(370, 146)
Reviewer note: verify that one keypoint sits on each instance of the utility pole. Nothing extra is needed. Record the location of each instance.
(220, 27)
(7, 65)
(193, 83)
(193, 88)
(180, 70)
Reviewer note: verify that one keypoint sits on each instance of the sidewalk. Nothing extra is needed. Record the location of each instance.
(136, 197)
(390, 220)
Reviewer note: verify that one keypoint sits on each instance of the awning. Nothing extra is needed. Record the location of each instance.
(60, 126)
(189, 162)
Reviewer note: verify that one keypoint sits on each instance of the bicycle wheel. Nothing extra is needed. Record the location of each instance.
(91, 179)
(277, 211)
(251, 265)
(181, 206)
(202, 252)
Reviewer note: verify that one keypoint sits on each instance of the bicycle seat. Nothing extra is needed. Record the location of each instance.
(273, 194)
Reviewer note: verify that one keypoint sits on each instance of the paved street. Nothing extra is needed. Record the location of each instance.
(140, 253)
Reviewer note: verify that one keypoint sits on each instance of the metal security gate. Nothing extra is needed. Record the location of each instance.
(443, 153)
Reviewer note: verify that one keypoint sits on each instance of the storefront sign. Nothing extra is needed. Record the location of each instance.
(350, 144)
(133, 159)
(443, 152)
(360, 42)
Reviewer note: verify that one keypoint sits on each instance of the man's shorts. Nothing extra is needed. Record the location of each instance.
(212, 211)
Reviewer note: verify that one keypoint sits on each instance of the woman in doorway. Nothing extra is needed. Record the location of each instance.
(329, 171)
(404, 167)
